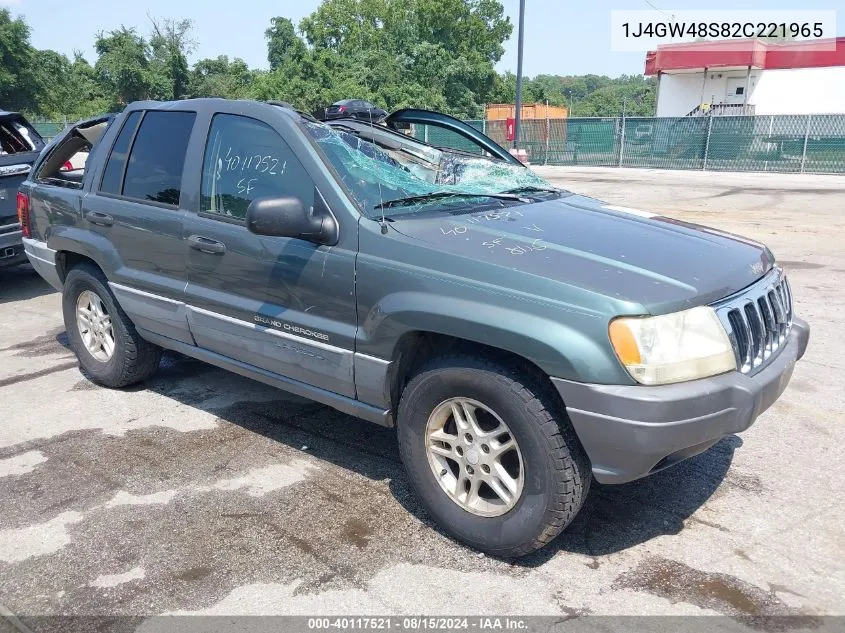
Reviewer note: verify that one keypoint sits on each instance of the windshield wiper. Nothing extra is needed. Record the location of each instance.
(439, 195)
(532, 189)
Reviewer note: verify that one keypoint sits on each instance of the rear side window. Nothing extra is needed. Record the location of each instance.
(246, 159)
(157, 158)
(153, 171)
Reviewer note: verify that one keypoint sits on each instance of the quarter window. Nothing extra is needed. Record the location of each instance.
(246, 159)
(113, 174)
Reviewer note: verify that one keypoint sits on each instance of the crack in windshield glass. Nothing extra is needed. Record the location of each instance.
(374, 178)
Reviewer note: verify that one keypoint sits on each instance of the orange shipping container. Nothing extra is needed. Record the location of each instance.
(503, 111)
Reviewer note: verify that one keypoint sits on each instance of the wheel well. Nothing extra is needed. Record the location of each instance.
(65, 260)
(416, 348)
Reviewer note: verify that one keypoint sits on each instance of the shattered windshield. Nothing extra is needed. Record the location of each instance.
(373, 177)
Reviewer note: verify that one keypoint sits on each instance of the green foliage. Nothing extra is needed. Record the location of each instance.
(435, 54)
(283, 45)
(123, 67)
(17, 89)
(220, 77)
(426, 53)
(586, 95)
(171, 44)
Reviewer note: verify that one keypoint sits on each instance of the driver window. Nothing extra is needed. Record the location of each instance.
(246, 159)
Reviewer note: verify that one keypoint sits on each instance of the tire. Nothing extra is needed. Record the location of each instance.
(133, 359)
(556, 471)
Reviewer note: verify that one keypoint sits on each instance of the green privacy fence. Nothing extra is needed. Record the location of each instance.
(780, 143)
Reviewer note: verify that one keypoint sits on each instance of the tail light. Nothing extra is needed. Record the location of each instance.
(23, 214)
(341, 108)
(68, 166)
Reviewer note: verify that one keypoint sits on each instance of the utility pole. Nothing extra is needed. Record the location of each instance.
(520, 43)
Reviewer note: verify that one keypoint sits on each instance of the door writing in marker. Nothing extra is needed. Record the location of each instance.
(260, 163)
(246, 187)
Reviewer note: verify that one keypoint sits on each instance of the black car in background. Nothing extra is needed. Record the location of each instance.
(20, 145)
(355, 109)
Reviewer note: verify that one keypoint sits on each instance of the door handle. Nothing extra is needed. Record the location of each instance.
(103, 219)
(206, 245)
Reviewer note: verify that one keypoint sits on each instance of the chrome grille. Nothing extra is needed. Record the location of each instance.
(758, 320)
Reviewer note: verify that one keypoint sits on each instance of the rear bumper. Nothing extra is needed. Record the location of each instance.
(632, 431)
(11, 249)
(43, 260)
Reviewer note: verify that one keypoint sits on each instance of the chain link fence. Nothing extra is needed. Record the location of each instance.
(779, 143)
(48, 129)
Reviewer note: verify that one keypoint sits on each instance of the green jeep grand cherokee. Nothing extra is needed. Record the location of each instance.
(522, 339)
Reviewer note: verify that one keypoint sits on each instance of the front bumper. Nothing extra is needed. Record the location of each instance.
(632, 431)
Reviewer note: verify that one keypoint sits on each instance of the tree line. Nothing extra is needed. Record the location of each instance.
(434, 54)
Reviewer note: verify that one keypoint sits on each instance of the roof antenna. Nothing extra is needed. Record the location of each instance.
(380, 196)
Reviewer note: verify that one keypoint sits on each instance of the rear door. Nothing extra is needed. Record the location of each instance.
(20, 145)
(136, 205)
(281, 304)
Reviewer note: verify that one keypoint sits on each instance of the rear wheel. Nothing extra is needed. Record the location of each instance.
(491, 454)
(108, 347)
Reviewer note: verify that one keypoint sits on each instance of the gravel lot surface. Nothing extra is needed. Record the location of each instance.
(204, 492)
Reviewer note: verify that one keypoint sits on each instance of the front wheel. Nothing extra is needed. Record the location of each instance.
(491, 454)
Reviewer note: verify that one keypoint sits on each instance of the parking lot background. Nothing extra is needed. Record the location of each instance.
(204, 492)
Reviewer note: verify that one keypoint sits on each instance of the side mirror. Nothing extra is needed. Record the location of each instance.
(288, 217)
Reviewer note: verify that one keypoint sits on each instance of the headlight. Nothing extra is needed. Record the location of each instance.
(673, 347)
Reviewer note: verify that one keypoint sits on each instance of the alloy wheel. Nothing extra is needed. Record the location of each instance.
(474, 457)
(95, 326)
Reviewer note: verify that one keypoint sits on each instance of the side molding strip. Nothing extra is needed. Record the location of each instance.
(263, 329)
(371, 382)
(153, 312)
(370, 373)
(142, 293)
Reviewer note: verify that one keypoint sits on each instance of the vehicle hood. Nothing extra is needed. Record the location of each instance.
(650, 261)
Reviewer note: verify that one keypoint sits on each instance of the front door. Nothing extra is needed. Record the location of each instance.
(442, 130)
(283, 305)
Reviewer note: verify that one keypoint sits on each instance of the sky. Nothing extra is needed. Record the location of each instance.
(561, 37)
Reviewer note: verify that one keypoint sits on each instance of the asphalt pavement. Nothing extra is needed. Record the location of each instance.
(201, 492)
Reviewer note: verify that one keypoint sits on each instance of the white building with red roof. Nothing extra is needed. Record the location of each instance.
(750, 77)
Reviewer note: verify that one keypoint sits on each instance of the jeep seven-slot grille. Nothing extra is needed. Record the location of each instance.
(758, 320)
